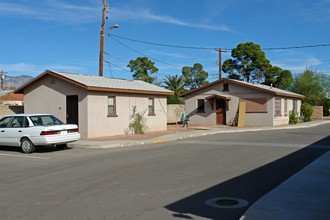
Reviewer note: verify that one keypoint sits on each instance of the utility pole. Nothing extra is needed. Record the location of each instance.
(102, 40)
(2, 78)
(220, 51)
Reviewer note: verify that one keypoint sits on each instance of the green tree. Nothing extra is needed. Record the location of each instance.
(284, 80)
(173, 99)
(278, 77)
(143, 68)
(175, 84)
(195, 76)
(249, 62)
(309, 84)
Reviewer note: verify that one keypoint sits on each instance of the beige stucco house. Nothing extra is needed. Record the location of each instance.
(9, 98)
(101, 106)
(218, 103)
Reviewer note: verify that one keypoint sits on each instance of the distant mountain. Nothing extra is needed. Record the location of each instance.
(16, 81)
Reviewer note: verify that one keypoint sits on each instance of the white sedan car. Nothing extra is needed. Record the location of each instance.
(29, 130)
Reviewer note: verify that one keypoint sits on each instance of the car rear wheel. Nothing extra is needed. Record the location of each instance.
(27, 146)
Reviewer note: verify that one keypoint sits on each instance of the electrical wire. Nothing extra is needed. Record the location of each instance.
(296, 47)
(144, 54)
(215, 48)
(118, 66)
(163, 45)
(107, 46)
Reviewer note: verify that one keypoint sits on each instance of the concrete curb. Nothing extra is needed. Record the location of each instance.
(184, 135)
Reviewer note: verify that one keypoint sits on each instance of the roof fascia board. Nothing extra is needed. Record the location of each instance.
(242, 84)
(202, 87)
(288, 95)
(101, 89)
(20, 90)
(90, 88)
(68, 80)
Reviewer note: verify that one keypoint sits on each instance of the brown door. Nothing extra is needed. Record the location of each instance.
(220, 112)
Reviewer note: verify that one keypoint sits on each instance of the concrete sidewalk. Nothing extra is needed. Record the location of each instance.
(189, 133)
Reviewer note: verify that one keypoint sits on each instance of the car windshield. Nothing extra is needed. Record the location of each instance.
(41, 120)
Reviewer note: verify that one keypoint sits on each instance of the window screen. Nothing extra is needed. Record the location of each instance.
(200, 105)
(151, 109)
(255, 105)
(225, 87)
(111, 106)
(278, 107)
(295, 106)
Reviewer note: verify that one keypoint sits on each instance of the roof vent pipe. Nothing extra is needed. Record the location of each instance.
(271, 85)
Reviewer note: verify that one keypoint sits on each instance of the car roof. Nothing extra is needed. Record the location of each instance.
(27, 115)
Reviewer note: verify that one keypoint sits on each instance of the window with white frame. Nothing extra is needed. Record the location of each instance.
(151, 106)
(295, 106)
(111, 106)
(278, 107)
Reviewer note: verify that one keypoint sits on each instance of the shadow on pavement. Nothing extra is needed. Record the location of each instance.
(250, 186)
(38, 149)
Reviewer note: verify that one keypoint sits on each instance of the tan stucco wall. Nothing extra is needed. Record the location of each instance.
(11, 102)
(100, 125)
(317, 113)
(235, 92)
(48, 95)
(174, 112)
(10, 110)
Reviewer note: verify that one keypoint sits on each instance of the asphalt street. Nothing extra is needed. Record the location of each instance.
(171, 180)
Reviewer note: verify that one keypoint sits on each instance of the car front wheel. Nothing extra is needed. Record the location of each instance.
(27, 146)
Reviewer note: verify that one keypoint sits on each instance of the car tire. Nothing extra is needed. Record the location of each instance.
(62, 146)
(27, 146)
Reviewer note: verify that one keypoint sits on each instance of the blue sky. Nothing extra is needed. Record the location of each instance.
(64, 35)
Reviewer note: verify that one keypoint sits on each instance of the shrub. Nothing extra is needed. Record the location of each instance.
(173, 99)
(307, 111)
(326, 106)
(139, 123)
(293, 118)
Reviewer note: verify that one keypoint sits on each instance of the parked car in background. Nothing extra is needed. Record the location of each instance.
(29, 130)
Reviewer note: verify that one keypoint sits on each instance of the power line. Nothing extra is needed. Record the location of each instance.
(144, 54)
(300, 61)
(118, 66)
(214, 48)
(163, 45)
(296, 47)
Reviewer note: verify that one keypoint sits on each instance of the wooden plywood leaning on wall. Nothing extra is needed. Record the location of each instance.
(241, 114)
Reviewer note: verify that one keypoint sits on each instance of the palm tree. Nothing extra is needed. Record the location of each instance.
(175, 84)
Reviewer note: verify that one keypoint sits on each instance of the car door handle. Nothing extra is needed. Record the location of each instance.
(20, 131)
(3, 131)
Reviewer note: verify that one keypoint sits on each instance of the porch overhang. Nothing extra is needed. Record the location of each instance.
(218, 97)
